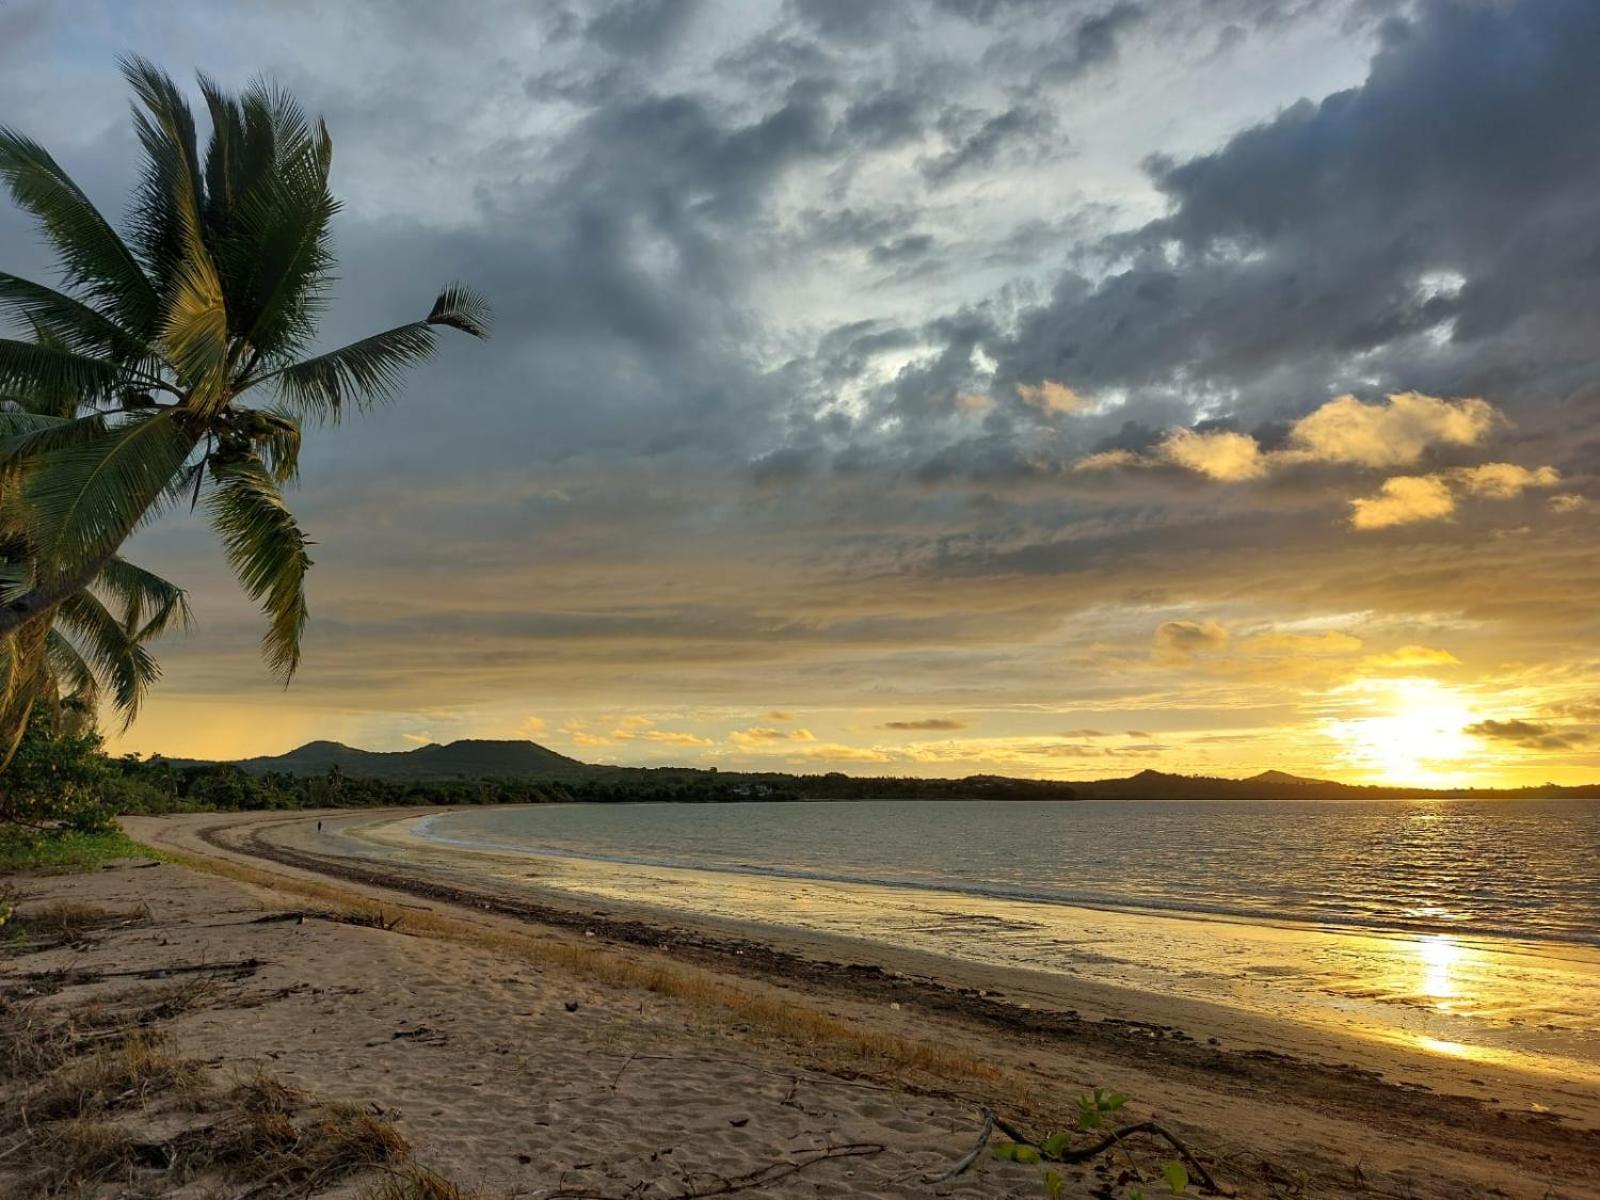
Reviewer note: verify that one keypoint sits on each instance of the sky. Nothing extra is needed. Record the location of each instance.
(1044, 387)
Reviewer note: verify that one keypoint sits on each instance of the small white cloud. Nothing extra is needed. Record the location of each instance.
(1568, 502)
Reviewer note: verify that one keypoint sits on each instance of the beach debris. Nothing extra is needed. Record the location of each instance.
(572, 1006)
(1058, 1148)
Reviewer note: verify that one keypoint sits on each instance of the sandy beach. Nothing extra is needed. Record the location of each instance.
(534, 1047)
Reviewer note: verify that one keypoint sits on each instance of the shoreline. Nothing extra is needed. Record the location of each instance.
(1242, 981)
(1518, 941)
(1112, 1023)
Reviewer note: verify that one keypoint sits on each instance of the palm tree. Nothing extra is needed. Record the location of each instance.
(84, 648)
(213, 291)
(94, 643)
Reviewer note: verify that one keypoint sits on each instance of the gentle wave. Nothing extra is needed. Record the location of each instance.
(1328, 909)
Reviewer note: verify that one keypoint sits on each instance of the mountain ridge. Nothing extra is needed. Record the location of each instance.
(521, 759)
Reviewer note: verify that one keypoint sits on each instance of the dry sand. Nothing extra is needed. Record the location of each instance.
(505, 1056)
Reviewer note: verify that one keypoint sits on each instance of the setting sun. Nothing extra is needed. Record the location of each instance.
(1410, 730)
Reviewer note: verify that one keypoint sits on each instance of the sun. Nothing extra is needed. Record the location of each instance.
(1405, 730)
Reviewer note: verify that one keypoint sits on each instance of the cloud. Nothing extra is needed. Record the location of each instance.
(766, 735)
(1504, 481)
(1532, 735)
(1410, 658)
(1407, 499)
(1052, 397)
(1328, 643)
(926, 723)
(1219, 454)
(1404, 500)
(1394, 433)
(1108, 460)
(418, 739)
(1179, 642)
(678, 738)
(1569, 502)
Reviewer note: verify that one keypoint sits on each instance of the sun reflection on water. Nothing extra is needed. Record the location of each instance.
(1439, 956)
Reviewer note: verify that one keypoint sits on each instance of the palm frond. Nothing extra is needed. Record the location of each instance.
(116, 656)
(27, 435)
(169, 191)
(74, 675)
(267, 552)
(148, 605)
(461, 308)
(82, 500)
(35, 368)
(360, 374)
(68, 322)
(94, 259)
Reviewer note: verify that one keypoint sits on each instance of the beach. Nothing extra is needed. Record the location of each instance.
(510, 1024)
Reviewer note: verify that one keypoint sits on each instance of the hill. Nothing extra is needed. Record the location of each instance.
(470, 758)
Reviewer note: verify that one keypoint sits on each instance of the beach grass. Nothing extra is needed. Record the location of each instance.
(61, 851)
(842, 1042)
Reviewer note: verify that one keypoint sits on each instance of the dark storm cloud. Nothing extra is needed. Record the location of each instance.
(1337, 229)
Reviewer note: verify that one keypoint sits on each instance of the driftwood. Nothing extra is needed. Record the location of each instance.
(1081, 1154)
(769, 1174)
(301, 915)
(77, 976)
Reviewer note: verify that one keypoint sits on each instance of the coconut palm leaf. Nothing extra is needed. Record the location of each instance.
(367, 371)
(150, 605)
(94, 258)
(74, 325)
(33, 367)
(116, 656)
(267, 552)
(74, 675)
(84, 499)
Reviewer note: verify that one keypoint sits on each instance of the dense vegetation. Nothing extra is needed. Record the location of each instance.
(156, 785)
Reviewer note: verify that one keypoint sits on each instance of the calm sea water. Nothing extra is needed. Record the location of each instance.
(1509, 869)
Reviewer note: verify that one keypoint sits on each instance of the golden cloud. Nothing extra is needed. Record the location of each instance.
(673, 737)
(1218, 454)
(1180, 641)
(1049, 396)
(1107, 460)
(1410, 658)
(1504, 481)
(1328, 643)
(1393, 433)
(1404, 500)
(765, 735)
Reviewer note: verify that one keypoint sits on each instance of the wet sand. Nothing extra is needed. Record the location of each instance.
(1404, 1118)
